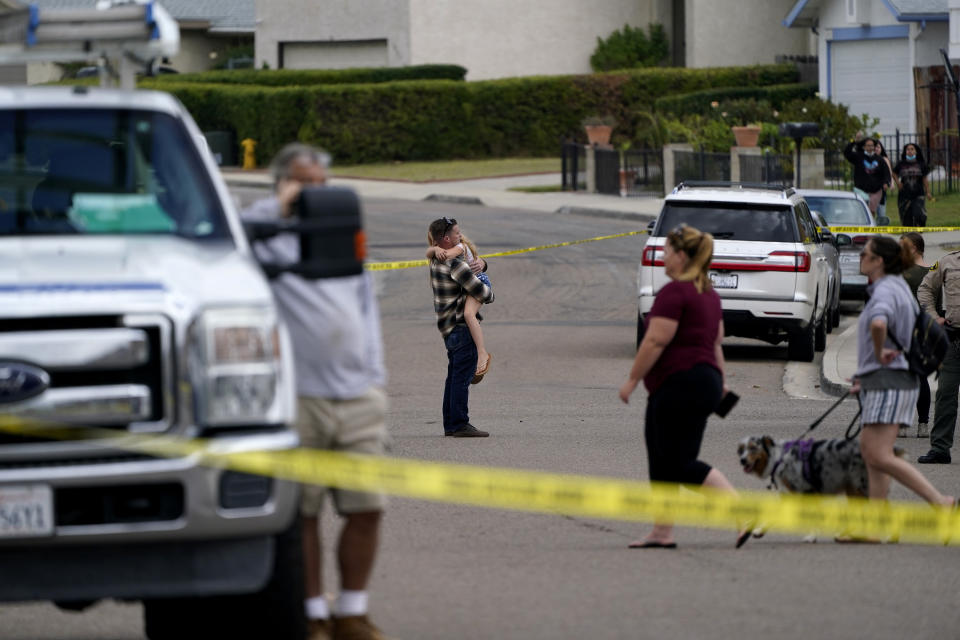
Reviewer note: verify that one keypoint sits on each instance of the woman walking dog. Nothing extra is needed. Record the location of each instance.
(886, 387)
(681, 364)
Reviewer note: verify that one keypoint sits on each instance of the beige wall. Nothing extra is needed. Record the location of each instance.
(330, 22)
(751, 33)
(502, 38)
(195, 50)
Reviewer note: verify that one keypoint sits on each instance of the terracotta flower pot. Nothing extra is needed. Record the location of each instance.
(598, 133)
(746, 136)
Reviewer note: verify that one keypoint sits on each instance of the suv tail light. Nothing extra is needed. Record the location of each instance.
(790, 261)
(650, 257)
(860, 240)
(775, 261)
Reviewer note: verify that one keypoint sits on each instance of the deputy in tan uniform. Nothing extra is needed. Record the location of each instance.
(943, 284)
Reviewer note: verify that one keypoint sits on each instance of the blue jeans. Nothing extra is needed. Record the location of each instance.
(461, 366)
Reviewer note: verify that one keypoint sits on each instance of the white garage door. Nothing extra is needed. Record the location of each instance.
(872, 76)
(334, 55)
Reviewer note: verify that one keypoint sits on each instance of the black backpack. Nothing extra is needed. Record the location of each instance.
(928, 344)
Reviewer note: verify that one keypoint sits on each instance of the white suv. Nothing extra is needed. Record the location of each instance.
(768, 264)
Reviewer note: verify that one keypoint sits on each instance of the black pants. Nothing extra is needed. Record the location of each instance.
(676, 418)
(923, 401)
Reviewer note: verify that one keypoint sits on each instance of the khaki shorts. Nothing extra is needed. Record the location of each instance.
(356, 426)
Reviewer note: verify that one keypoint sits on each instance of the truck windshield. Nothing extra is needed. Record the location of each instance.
(103, 171)
(731, 221)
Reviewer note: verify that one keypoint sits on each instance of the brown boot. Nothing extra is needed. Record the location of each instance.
(356, 628)
(318, 630)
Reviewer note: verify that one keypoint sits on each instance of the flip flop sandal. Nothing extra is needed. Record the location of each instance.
(481, 371)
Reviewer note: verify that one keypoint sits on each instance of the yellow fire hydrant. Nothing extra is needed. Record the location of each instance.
(249, 158)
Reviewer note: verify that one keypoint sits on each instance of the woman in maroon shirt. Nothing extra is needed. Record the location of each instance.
(681, 364)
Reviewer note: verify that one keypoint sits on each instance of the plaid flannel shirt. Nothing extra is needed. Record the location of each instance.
(452, 282)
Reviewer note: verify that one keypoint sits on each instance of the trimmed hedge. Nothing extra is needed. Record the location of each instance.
(442, 119)
(699, 102)
(307, 77)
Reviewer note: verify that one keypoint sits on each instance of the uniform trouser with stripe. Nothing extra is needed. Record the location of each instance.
(945, 409)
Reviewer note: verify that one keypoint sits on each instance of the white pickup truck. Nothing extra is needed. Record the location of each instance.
(130, 301)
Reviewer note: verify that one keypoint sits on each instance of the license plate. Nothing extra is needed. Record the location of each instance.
(26, 511)
(849, 257)
(724, 280)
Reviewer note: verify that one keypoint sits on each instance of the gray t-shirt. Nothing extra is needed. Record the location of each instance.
(892, 300)
(334, 323)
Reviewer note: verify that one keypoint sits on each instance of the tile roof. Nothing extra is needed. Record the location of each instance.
(223, 15)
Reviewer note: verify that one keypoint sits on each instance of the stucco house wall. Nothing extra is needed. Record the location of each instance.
(503, 38)
(325, 24)
(733, 32)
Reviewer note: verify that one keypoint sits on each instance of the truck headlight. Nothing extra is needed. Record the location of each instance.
(237, 369)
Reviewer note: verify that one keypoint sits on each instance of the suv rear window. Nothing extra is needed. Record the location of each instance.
(103, 171)
(731, 221)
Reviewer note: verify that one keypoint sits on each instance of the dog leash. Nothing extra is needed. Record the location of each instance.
(836, 404)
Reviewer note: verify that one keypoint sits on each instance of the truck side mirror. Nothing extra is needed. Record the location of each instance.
(843, 240)
(330, 226)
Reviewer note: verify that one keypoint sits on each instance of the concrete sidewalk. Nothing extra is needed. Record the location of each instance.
(490, 192)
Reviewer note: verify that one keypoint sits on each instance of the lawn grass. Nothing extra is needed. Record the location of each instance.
(449, 170)
(943, 211)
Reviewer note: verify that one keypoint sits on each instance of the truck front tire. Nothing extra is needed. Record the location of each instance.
(276, 611)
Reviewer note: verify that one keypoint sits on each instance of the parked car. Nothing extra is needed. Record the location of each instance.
(769, 264)
(835, 275)
(846, 209)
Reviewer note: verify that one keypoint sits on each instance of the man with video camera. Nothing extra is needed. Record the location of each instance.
(334, 324)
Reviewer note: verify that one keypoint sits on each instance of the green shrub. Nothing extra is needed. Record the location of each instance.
(441, 119)
(630, 47)
(306, 77)
(703, 102)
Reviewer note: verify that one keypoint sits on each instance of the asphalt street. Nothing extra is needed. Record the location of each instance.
(562, 333)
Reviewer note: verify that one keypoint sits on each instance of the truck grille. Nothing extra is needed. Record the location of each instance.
(113, 372)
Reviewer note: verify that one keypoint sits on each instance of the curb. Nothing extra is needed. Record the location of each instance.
(606, 213)
(827, 384)
(440, 197)
(830, 387)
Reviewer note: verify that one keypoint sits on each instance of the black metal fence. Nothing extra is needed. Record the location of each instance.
(643, 172)
(573, 159)
(941, 153)
(767, 168)
(701, 165)
(607, 163)
(634, 172)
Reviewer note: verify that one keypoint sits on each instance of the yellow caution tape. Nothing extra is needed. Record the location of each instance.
(543, 492)
(383, 266)
(892, 230)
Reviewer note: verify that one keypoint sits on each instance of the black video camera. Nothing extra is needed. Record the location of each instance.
(330, 226)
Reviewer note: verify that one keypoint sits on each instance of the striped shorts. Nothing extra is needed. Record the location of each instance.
(888, 406)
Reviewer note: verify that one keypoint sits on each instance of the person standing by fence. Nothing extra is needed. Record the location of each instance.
(914, 187)
(870, 171)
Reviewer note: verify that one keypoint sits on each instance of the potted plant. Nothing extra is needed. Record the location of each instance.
(598, 129)
(747, 136)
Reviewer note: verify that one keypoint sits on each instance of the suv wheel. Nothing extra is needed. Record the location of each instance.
(276, 611)
(820, 332)
(801, 346)
(835, 316)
